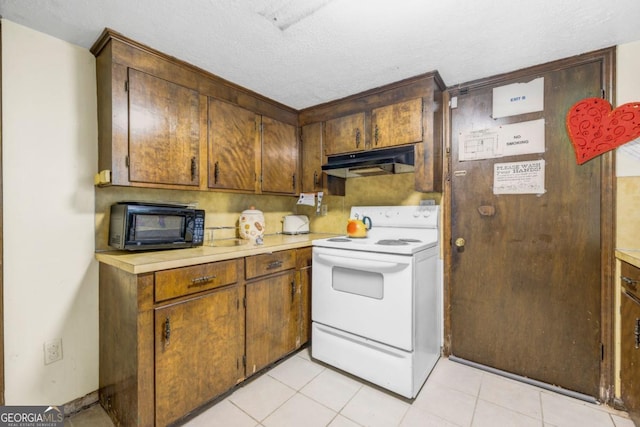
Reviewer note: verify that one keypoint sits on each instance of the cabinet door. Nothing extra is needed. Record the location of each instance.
(630, 352)
(271, 315)
(279, 157)
(344, 134)
(303, 257)
(164, 131)
(312, 158)
(397, 124)
(199, 344)
(233, 139)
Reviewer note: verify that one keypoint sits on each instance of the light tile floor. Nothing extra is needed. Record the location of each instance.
(301, 393)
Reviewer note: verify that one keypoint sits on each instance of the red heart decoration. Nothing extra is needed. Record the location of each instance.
(594, 129)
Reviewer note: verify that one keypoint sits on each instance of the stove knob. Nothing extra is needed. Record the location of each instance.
(427, 213)
(388, 214)
(416, 214)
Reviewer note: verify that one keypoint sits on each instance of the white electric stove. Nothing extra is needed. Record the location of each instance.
(376, 301)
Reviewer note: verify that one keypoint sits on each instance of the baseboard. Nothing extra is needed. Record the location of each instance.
(80, 403)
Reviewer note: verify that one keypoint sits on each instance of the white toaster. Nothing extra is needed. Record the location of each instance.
(295, 224)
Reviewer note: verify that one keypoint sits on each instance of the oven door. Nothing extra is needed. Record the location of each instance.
(364, 293)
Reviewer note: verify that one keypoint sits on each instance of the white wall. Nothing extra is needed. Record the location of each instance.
(50, 275)
(627, 90)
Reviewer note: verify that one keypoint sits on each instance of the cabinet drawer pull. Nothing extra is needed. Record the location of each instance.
(200, 281)
(274, 264)
(633, 284)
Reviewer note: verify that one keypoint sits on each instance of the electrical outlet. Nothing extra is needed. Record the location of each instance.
(323, 210)
(52, 351)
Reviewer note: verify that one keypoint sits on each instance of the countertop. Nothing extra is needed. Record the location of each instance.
(631, 256)
(145, 262)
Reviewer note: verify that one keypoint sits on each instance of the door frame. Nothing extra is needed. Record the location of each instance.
(1, 245)
(607, 206)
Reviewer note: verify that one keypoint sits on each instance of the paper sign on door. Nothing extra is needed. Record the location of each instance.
(519, 177)
(518, 98)
(502, 141)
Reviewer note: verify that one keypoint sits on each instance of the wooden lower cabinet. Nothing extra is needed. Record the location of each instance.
(630, 340)
(271, 316)
(173, 340)
(303, 267)
(199, 345)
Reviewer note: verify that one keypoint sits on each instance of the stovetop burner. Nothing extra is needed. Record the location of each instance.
(338, 239)
(392, 242)
(411, 240)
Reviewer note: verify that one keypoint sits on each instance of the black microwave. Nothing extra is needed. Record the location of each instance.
(143, 226)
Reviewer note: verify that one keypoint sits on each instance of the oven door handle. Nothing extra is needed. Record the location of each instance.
(362, 264)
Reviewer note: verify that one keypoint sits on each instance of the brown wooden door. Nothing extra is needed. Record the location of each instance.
(232, 146)
(344, 134)
(525, 285)
(199, 346)
(397, 124)
(311, 158)
(271, 320)
(164, 131)
(279, 157)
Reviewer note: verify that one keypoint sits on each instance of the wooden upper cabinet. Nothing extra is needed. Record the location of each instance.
(312, 158)
(397, 124)
(233, 138)
(163, 123)
(164, 131)
(344, 134)
(279, 157)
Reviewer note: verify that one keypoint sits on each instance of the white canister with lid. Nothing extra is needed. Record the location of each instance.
(251, 224)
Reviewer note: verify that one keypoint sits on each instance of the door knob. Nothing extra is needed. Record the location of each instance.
(460, 242)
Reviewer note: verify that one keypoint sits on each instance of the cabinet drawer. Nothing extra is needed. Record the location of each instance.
(260, 265)
(188, 280)
(630, 278)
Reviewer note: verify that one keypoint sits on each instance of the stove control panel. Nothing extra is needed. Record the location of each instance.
(399, 216)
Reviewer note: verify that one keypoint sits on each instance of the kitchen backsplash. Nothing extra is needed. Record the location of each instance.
(628, 206)
(223, 209)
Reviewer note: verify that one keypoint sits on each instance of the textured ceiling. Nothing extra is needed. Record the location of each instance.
(306, 52)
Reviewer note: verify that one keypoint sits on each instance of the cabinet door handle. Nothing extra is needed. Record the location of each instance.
(293, 181)
(293, 291)
(636, 333)
(357, 137)
(194, 169)
(167, 331)
(274, 264)
(200, 281)
(216, 172)
(376, 134)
